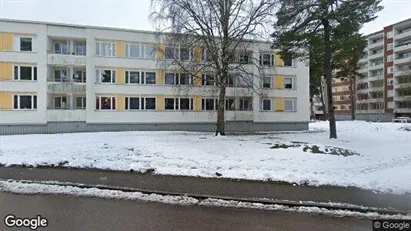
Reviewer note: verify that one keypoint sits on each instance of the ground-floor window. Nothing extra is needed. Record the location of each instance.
(28, 102)
(80, 102)
(290, 104)
(105, 103)
(245, 104)
(178, 103)
(267, 104)
(209, 104)
(60, 102)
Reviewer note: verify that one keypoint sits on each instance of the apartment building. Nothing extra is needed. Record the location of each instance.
(72, 78)
(342, 97)
(384, 89)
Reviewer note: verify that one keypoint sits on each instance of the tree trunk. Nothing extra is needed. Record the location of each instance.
(352, 85)
(312, 107)
(221, 112)
(328, 78)
(322, 102)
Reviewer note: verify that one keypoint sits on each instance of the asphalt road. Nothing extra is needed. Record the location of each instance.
(212, 186)
(77, 213)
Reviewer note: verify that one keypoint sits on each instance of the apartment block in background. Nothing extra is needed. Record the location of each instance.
(73, 78)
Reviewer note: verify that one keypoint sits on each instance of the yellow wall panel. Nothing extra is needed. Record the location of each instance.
(120, 102)
(121, 75)
(279, 82)
(278, 61)
(160, 77)
(6, 42)
(197, 54)
(197, 103)
(121, 49)
(6, 100)
(6, 71)
(279, 104)
(197, 79)
(160, 103)
(160, 51)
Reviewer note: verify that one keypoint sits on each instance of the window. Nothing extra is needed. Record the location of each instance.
(25, 73)
(105, 76)
(244, 58)
(390, 34)
(230, 80)
(390, 70)
(80, 102)
(267, 59)
(105, 49)
(25, 102)
(132, 103)
(390, 82)
(105, 103)
(390, 105)
(61, 48)
(80, 76)
(26, 44)
(185, 79)
(133, 77)
(267, 82)
(185, 54)
(390, 93)
(149, 77)
(150, 51)
(288, 62)
(170, 78)
(149, 103)
(208, 79)
(178, 103)
(266, 104)
(230, 105)
(171, 53)
(209, 104)
(133, 51)
(390, 46)
(60, 75)
(80, 49)
(289, 82)
(60, 102)
(245, 104)
(389, 58)
(342, 107)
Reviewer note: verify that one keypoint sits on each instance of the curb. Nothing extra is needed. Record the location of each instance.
(324, 205)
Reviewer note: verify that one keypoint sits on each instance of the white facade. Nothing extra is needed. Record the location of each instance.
(61, 47)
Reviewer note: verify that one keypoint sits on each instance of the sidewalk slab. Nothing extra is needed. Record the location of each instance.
(219, 187)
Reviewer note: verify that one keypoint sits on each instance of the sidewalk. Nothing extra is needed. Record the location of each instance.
(218, 187)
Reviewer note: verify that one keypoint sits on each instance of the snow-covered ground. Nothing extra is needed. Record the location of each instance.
(383, 163)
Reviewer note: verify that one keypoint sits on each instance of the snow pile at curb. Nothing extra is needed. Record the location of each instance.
(36, 188)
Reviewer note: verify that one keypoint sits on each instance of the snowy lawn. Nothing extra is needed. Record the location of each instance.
(372, 156)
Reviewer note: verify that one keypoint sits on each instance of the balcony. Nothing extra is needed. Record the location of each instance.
(362, 80)
(402, 110)
(402, 98)
(66, 115)
(375, 56)
(66, 87)
(403, 47)
(362, 90)
(376, 77)
(402, 72)
(375, 100)
(363, 59)
(66, 60)
(404, 35)
(378, 44)
(376, 66)
(375, 89)
(375, 111)
(405, 60)
(358, 111)
(402, 85)
(363, 70)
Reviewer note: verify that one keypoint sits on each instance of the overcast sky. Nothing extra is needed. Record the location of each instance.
(134, 13)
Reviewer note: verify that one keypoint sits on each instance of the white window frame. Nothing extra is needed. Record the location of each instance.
(204, 106)
(250, 103)
(293, 104)
(83, 77)
(34, 75)
(99, 49)
(390, 46)
(144, 104)
(62, 78)
(271, 82)
(127, 77)
(83, 51)
(272, 106)
(144, 50)
(177, 103)
(390, 70)
(390, 58)
(390, 82)
(61, 51)
(390, 34)
(111, 102)
(99, 76)
(127, 103)
(128, 49)
(33, 104)
(261, 54)
(143, 76)
(83, 102)
(61, 99)
(293, 82)
(205, 80)
(177, 53)
(17, 43)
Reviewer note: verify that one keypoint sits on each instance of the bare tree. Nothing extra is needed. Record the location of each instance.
(219, 35)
